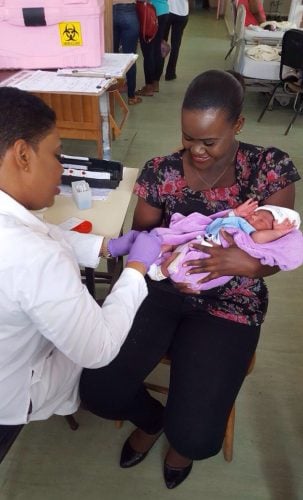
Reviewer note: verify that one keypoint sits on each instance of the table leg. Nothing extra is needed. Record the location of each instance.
(89, 274)
(104, 111)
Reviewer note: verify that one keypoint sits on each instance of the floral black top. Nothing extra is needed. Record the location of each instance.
(260, 172)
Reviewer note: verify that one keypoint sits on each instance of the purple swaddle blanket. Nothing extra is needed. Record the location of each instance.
(285, 252)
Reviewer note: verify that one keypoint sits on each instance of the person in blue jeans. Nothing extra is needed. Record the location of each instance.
(126, 35)
(152, 55)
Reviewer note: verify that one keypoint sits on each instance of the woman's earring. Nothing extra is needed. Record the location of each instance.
(239, 131)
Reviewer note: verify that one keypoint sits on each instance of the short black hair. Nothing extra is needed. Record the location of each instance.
(23, 116)
(216, 89)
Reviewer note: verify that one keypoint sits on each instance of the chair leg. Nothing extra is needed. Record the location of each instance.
(228, 442)
(291, 122)
(229, 52)
(298, 109)
(73, 424)
(268, 102)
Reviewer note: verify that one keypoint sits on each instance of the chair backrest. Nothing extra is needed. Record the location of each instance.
(295, 13)
(240, 24)
(230, 15)
(292, 51)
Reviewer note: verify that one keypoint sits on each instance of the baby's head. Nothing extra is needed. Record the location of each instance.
(263, 217)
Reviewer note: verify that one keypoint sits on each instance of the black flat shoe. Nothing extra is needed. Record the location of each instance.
(130, 457)
(174, 476)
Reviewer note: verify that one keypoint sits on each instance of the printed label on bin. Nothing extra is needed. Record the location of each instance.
(70, 33)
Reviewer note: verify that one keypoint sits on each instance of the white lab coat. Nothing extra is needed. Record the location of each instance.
(50, 326)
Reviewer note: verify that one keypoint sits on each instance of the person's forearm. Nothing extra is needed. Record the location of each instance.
(266, 235)
(254, 269)
(254, 8)
(138, 266)
(86, 247)
(103, 249)
(264, 271)
(240, 263)
(259, 17)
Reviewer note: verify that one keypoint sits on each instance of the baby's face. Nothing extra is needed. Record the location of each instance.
(261, 219)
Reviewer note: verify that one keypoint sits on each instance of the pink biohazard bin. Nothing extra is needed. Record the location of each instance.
(51, 33)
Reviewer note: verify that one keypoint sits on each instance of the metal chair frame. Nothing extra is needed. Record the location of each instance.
(291, 57)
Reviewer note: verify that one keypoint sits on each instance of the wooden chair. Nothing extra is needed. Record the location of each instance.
(229, 433)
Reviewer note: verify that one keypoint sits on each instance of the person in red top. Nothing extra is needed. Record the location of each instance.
(254, 12)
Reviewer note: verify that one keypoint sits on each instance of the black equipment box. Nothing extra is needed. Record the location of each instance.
(97, 173)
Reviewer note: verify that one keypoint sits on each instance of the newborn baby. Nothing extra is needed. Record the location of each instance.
(255, 229)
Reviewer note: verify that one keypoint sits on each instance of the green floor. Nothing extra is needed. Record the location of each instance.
(50, 462)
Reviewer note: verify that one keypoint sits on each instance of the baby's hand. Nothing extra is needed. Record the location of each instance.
(246, 208)
(284, 227)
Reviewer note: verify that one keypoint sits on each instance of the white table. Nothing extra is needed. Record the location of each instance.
(107, 217)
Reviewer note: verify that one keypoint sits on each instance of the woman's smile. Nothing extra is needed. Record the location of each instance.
(200, 158)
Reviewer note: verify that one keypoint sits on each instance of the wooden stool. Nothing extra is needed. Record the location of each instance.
(229, 433)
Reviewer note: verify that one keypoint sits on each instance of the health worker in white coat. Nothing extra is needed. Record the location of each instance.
(51, 327)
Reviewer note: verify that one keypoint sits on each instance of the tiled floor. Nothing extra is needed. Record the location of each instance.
(48, 461)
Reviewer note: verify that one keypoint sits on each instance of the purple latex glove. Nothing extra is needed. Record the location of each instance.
(122, 245)
(146, 249)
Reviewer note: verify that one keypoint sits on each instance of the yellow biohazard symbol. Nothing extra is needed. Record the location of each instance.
(70, 33)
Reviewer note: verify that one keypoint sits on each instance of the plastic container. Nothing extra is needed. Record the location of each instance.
(82, 194)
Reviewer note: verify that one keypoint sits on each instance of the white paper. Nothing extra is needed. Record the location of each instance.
(112, 66)
(70, 223)
(49, 81)
(97, 193)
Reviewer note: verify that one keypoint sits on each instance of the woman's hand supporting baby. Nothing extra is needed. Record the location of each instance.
(231, 261)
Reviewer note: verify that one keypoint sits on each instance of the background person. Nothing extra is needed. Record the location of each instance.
(255, 13)
(126, 35)
(175, 25)
(51, 326)
(210, 336)
(152, 55)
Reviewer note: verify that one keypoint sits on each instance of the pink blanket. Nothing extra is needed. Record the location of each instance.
(285, 252)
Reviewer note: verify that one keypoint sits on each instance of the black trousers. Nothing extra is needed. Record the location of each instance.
(210, 357)
(152, 56)
(176, 25)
